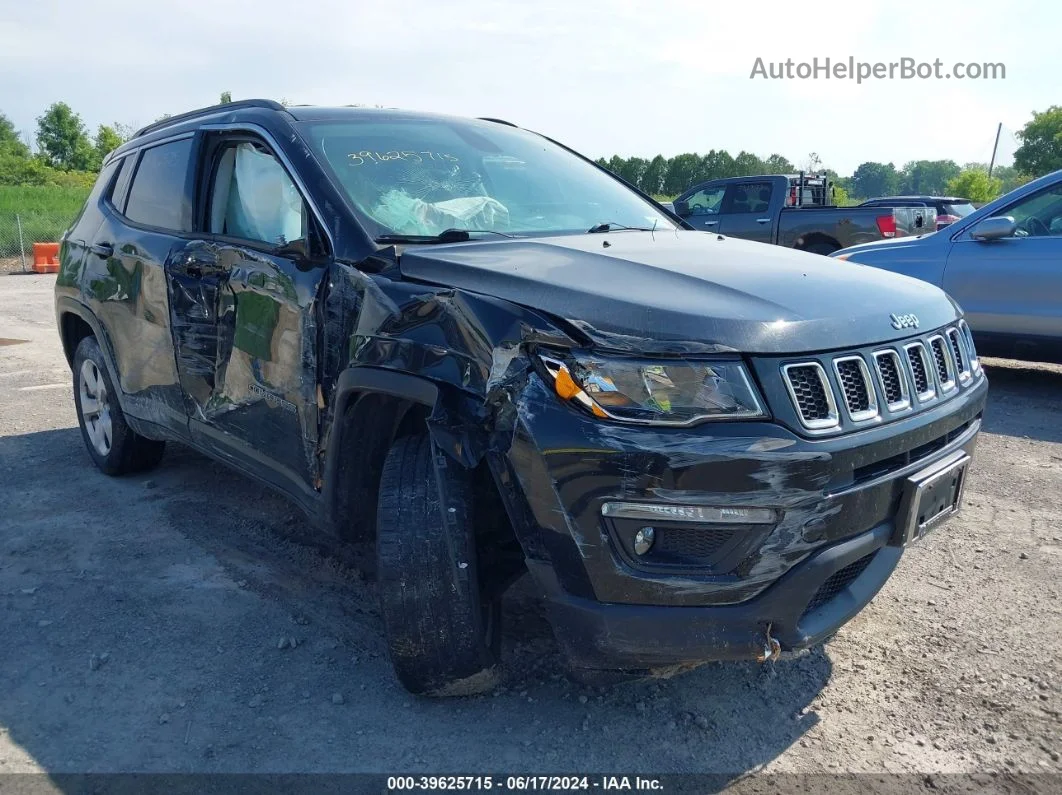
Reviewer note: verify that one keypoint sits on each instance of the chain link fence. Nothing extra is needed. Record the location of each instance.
(16, 250)
(19, 231)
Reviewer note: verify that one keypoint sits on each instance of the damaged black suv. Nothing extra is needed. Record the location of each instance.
(472, 346)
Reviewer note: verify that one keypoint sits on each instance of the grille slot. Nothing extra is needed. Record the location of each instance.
(811, 394)
(690, 546)
(962, 363)
(892, 380)
(837, 582)
(916, 357)
(942, 361)
(856, 387)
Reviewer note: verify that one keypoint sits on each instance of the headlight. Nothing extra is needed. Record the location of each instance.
(655, 392)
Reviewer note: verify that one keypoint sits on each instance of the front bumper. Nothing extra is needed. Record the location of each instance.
(837, 501)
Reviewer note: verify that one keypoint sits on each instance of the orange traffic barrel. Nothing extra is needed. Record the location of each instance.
(46, 257)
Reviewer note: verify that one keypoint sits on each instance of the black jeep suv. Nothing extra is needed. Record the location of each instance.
(471, 345)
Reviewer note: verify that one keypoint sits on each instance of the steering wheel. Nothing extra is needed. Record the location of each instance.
(1035, 227)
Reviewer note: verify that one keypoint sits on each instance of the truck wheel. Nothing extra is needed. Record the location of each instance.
(442, 632)
(821, 248)
(114, 447)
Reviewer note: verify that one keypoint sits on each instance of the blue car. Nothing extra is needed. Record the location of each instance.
(1002, 264)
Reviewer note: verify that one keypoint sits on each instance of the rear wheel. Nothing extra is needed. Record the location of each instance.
(821, 248)
(443, 632)
(113, 445)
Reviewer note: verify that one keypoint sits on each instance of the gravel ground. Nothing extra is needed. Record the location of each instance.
(188, 620)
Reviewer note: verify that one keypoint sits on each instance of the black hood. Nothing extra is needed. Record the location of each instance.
(686, 290)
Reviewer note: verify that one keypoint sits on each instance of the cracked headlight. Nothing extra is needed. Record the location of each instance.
(655, 392)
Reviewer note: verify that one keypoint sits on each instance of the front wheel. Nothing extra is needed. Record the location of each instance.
(114, 447)
(442, 630)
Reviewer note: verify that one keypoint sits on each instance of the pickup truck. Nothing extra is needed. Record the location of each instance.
(789, 211)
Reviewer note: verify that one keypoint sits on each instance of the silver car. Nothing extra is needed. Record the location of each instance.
(1002, 264)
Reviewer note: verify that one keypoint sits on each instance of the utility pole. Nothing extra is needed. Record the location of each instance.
(995, 146)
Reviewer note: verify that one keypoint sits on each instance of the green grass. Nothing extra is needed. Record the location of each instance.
(45, 213)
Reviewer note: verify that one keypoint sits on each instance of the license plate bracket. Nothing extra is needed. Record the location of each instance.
(931, 496)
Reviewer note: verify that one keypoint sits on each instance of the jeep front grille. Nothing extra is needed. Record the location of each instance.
(856, 387)
(942, 361)
(880, 384)
(892, 379)
(962, 361)
(918, 359)
(812, 394)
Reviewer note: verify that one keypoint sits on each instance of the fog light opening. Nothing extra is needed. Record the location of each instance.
(643, 540)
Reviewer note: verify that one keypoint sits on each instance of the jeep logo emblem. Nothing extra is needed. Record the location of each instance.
(904, 321)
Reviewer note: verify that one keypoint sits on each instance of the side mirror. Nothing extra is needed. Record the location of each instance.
(682, 209)
(994, 228)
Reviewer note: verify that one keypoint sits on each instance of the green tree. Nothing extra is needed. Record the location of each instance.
(747, 164)
(108, 138)
(10, 141)
(63, 140)
(975, 184)
(226, 98)
(928, 176)
(875, 179)
(682, 172)
(776, 164)
(653, 176)
(1041, 143)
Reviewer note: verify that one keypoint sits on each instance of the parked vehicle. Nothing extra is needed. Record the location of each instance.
(490, 356)
(793, 211)
(949, 208)
(1002, 263)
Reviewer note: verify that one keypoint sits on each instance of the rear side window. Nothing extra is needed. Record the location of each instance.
(121, 185)
(157, 195)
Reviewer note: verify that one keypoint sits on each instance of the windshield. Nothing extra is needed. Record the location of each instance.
(425, 176)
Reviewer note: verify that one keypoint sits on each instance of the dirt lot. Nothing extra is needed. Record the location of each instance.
(141, 620)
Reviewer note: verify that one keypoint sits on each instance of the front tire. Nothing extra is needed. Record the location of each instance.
(114, 447)
(443, 633)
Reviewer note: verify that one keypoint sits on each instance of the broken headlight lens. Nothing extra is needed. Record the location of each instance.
(656, 392)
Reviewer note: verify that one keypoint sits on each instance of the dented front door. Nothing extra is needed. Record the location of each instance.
(245, 337)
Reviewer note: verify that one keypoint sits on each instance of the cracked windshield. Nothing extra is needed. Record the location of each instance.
(421, 178)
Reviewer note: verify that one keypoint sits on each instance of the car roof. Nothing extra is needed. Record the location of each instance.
(249, 109)
(946, 199)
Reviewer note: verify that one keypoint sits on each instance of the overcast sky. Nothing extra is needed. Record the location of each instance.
(604, 77)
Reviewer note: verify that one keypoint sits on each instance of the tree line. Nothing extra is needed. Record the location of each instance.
(68, 155)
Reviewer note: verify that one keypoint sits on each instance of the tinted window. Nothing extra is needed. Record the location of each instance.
(157, 196)
(121, 185)
(748, 197)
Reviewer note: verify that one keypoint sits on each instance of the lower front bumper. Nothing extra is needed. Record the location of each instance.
(641, 637)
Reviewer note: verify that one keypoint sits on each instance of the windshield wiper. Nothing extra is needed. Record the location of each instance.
(608, 226)
(445, 236)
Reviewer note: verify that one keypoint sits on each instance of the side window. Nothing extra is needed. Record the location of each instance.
(120, 189)
(1039, 215)
(748, 197)
(157, 196)
(253, 198)
(706, 201)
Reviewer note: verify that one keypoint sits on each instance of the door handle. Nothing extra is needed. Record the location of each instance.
(763, 220)
(103, 250)
(710, 223)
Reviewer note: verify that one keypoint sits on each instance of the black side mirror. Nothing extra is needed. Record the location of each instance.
(682, 209)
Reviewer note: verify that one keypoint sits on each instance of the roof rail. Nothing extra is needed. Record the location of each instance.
(497, 121)
(241, 103)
